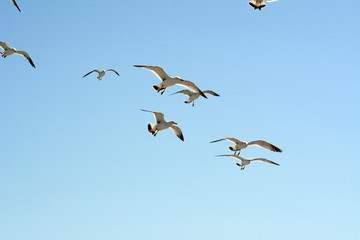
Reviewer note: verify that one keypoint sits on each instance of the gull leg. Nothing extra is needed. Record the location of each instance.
(162, 92)
(238, 152)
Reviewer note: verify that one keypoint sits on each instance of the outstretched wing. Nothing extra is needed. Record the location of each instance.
(23, 53)
(190, 85)
(185, 92)
(177, 131)
(263, 160)
(265, 144)
(112, 70)
(4, 46)
(91, 72)
(211, 93)
(231, 155)
(234, 140)
(13, 1)
(158, 71)
(159, 117)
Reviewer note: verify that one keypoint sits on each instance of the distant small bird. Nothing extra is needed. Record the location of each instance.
(245, 161)
(241, 145)
(161, 124)
(195, 95)
(101, 73)
(168, 81)
(259, 4)
(9, 51)
(13, 1)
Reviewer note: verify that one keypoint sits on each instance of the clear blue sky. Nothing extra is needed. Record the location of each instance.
(77, 162)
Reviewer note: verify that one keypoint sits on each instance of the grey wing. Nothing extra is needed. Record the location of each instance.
(91, 72)
(230, 155)
(4, 46)
(23, 53)
(265, 144)
(112, 70)
(13, 1)
(211, 93)
(185, 92)
(263, 160)
(159, 117)
(158, 71)
(178, 132)
(234, 140)
(190, 85)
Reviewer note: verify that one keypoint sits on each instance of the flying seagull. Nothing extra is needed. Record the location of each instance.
(168, 81)
(241, 145)
(9, 51)
(13, 1)
(195, 95)
(101, 73)
(259, 4)
(161, 124)
(245, 161)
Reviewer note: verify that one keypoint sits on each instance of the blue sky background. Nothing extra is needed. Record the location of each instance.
(77, 162)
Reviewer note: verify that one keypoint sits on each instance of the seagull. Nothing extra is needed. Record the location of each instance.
(8, 51)
(245, 161)
(259, 4)
(195, 95)
(241, 145)
(101, 73)
(168, 81)
(161, 124)
(13, 1)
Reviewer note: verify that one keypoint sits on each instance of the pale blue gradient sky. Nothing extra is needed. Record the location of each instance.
(77, 162)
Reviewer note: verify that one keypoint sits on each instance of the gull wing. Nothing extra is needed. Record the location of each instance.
(265, 144)
(177, 131)
(234, 140)
(159, 117)
(92, 72)
(4, 46)
(272, 0)
(185, 92)
(263, 160)
(13, 1)
(211, 93)
(158, 71)
(112, 70)
(23, 53)
(231, 155)
(190, 85)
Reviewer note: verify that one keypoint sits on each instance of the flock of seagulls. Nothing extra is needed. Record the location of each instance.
(193, 92)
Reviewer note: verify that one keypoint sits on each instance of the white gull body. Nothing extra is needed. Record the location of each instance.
(195, 95)
(168, 81)
(161, 124)
(9, 51)
(244, 161)
(101, 73)
(242, 144)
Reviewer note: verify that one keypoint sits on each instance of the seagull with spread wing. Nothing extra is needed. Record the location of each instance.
(259, 4)
(245, 161)
(14, 2)
(195, 95)
(9, 51)
(161, 124)
(242, 144)
(101, 73)
(168, 81)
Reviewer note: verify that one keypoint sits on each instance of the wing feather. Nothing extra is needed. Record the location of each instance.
(177, 131)
(91, 72)
(14, 2)
(190, 85)
(26, 55)
(234, 140)
(265, 144)
(158, 71)
(112, 70)
(4, 46)
(159, 117)
(263, 160)
(211, 93)
(185, 92)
